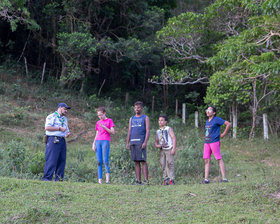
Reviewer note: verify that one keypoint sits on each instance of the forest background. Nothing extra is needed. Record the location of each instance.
(223, 52)
(112, 53)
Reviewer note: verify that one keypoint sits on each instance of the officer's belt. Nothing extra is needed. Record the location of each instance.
(56, 136)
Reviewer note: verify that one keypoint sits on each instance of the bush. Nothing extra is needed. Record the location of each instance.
(2, 88)
(189, 160)
(79, 166)
(37, 163)
(15, 116)
(122, 168)
(16, 155)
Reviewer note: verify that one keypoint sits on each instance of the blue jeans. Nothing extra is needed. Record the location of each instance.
(102, 155)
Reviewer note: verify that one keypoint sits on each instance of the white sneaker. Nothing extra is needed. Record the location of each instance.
(100, 181)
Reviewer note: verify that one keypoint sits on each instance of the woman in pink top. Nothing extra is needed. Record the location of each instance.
(101, 144)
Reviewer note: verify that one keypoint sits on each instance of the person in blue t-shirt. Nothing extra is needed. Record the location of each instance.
(137, 139)
(212, 142)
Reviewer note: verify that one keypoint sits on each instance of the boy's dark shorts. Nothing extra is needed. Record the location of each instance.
(137, 153)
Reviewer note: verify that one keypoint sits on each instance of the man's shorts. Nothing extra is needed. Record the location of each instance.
(210, 148)
(137, 153)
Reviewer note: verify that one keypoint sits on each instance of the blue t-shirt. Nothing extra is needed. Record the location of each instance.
(138, 130)
(212, 129)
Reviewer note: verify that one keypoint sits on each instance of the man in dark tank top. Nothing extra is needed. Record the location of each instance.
(136, 141)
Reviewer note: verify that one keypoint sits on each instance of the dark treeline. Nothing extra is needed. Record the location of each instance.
(102, 47)
(222, 52)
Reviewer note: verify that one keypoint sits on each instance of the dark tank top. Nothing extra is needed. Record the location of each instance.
(138, 130)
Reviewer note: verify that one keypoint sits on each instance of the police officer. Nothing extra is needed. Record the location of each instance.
(56, 131)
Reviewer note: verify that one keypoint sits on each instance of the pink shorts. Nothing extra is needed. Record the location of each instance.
(210, 148)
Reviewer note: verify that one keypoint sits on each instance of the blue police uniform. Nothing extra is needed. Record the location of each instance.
(55, 154)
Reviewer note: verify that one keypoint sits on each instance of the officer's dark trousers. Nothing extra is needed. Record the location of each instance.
(55, 157)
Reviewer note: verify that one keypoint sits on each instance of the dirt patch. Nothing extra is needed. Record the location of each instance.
(271, 163)
(275, 195)
(78, 127)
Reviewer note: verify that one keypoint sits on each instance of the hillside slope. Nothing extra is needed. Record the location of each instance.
(40, 202)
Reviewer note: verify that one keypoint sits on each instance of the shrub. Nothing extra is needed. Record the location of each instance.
(1, 153)
(80, 171)
(16, 155)
(189, 160)
(2, 88)
(79, 165)
(15, 116)
(37, 163)
(122, 168)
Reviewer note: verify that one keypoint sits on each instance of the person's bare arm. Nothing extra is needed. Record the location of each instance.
(228, 125)
(50, 128)
(110, 131)
(171, 132)
(147, 122)
(157, 143)
(93, 144)
(128, 134)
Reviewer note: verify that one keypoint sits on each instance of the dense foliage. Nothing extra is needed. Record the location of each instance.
(233, 44)
(223, 52)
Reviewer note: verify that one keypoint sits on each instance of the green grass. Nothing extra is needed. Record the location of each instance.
(40, 202)
(251, 196)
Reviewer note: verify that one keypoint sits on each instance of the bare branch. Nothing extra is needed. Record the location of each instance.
(267, 38)
(167, 79)
(203, 80)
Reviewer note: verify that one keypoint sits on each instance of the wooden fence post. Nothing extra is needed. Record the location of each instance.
(196, 119)
(153, 104)
(26, 68)
(43, 73)
(265, 127)
(176, 108)
(126, 98)
(234, 120)
(184, 113)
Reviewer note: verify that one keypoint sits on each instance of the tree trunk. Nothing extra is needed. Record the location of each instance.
(165, 96)
(43, 73)
(176, 108)
(153, 104)
(254, 110)
(126, 98)
(54, 33)
(265, 127)
(63, 68)
(234, 119)
(39, 48)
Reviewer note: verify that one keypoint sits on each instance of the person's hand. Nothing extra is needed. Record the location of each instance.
(67, 135)
(62, 129)
(144, 145)
(94, 148)
(222, 135)
(173, 151)
(127, 146)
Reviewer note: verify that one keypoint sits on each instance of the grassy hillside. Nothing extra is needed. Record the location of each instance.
(251, 196)
(244, 201)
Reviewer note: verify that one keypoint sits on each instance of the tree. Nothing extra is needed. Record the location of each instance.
(15, 12)
(76, 50)
(250, 64)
